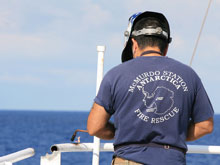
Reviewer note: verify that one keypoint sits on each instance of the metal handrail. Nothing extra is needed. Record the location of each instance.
(81, 147)
(106, 147)
(17, 156)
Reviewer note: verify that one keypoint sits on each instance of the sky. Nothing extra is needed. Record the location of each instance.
(48, 56)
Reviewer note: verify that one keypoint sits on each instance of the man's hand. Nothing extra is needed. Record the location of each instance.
(197, 130)
(98, 123)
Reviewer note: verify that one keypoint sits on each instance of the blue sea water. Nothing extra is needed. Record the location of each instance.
(41, 129)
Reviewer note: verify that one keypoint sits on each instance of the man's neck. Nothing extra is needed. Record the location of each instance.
(150, 51)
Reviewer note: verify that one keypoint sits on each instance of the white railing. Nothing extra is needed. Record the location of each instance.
(100, 66)
(203, 149)
(51, 159)
(57, 149)
(17, 156)
(108, 147)
(81, 147)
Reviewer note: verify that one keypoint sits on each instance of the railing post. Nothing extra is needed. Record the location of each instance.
(96, 149)
(51, 159)
(100, 66)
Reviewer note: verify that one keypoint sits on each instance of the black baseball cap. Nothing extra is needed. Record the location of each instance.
(163, 32)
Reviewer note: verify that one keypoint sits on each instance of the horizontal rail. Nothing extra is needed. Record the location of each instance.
(203, 149)
(106, 147)
(18, 156)
(81, 147)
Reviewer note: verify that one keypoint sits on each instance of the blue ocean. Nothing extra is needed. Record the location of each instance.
(41, 129)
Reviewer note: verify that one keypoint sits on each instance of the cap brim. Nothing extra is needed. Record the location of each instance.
(127, 52)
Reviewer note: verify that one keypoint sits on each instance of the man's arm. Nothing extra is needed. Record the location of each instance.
(197, 130)
(98, 123)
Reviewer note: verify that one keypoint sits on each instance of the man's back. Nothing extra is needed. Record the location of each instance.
(157, 102)
(152, 99)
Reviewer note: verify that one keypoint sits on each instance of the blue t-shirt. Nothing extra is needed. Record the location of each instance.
(153, 98)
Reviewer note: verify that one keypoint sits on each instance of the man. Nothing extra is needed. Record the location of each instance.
(158, 103)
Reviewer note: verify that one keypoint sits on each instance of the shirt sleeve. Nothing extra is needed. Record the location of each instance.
(202, 108)
(104, 96)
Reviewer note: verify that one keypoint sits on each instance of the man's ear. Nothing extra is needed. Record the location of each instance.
(134, 47)
(134, 43)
